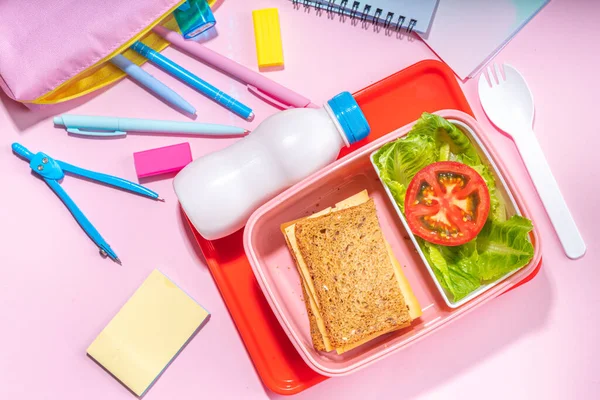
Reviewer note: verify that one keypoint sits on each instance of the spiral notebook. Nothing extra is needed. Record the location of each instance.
(411, 15)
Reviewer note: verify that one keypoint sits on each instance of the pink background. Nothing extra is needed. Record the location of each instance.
(56, 294)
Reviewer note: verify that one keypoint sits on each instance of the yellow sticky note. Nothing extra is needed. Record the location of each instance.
(267, 34)
(147, 333)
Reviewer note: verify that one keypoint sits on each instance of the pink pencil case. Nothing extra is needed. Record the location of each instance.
(52, 51)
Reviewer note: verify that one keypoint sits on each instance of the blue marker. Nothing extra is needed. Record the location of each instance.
(202, 86)
(152, 84)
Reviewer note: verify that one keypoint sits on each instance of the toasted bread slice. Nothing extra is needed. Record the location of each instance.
(319, 342)
(357, 295)
(317, 327)
(315, 333)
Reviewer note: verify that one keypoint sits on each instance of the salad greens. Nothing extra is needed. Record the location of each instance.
(502, 245)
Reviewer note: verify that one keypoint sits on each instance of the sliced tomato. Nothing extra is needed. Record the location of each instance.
(447, 203)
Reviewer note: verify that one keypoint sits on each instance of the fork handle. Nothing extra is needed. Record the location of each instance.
(549, 192)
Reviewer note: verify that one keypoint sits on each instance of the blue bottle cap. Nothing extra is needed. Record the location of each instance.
(350, 116)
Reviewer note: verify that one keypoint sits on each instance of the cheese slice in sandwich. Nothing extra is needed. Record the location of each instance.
(384, 317)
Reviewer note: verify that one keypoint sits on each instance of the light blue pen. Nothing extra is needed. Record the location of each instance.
(152, 84)
(202, 86)
(91, 125)
(52, 171)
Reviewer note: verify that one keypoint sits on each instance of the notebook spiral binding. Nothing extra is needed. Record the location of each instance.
(341, 7)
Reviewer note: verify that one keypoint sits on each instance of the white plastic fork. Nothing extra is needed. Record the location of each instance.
(508, 103)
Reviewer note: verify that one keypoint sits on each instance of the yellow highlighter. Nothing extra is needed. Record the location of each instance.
(267, 34)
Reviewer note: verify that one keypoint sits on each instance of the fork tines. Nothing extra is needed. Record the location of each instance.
(494, 78)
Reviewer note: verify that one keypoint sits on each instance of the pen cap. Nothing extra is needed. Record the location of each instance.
(350, 117)
(194, 17)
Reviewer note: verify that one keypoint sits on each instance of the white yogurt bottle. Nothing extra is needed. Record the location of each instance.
(220, 191)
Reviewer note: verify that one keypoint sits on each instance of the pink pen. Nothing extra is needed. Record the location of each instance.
(257, 83)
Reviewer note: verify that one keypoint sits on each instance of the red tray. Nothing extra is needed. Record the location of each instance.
(388, 104)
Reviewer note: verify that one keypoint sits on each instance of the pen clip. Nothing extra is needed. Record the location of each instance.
(269, 99)
(100, 133)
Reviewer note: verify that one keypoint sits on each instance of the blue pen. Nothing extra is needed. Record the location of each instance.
(152, 84)
(202, 86)
(52, 171)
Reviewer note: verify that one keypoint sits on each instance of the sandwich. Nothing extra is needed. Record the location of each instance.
(353, 286)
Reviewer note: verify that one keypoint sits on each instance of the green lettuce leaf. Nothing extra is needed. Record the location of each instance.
(399, 161)
(444, 152)
(454, 267)
(497, 208)
(432, 139)
(502, 245)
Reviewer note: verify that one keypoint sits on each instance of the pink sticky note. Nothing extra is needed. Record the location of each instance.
(162, 160)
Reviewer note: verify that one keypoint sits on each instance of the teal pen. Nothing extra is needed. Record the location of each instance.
(202, 86)
(152, 84)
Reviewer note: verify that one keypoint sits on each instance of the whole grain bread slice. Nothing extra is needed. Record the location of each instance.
(315, 333)
(353, 277)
